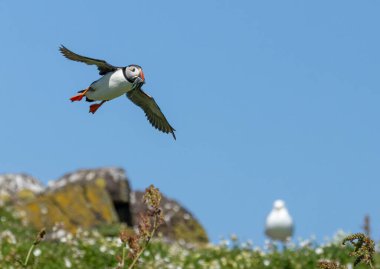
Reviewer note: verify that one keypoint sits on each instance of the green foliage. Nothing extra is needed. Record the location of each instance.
(91, 249)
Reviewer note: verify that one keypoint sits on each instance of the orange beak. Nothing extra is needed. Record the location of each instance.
(142, 75)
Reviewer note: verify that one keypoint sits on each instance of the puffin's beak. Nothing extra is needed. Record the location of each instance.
(142, 76)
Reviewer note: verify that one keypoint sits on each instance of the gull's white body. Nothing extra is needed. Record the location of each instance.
(110, 86)
(279, 223)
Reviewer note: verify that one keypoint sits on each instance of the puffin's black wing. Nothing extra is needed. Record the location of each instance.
(151, 109)
(102, 65)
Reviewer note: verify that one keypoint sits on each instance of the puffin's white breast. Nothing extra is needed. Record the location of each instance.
(110, 86)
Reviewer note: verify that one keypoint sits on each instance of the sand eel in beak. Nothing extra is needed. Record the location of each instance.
(116, 81)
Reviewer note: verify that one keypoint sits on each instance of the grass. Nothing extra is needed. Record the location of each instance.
(104, 248)
(91, 249)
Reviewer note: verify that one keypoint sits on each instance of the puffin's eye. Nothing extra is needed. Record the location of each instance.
(133, 69)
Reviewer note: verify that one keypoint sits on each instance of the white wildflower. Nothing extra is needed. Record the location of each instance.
(37, 252)
(304, 243)
(67, 262)
(224, 243)
(339, 236)
(8, 237)
(103, 248)
(319, 251)
(157, 257)
(234, 237)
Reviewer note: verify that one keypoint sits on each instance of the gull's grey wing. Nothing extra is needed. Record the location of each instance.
(102, 65)
(151, 109)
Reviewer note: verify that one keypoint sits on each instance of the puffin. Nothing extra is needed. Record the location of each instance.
(116, 81)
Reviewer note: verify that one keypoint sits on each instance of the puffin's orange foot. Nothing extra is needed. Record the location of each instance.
(77, 97)
(94, 107)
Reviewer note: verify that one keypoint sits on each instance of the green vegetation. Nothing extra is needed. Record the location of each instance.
(91, 249)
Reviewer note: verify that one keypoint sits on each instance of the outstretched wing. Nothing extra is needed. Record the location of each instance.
(102, 65)
(151, 109)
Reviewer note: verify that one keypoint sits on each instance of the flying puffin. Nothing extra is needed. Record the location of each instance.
(116, 81)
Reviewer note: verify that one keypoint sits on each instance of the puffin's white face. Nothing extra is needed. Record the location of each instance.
(134, 72)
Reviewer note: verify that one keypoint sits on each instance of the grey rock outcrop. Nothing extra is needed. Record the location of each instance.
(179, 223)
(93, 197)
(117, 186)
(12, 186)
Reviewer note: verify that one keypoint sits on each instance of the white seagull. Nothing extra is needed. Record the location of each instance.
(279, 223)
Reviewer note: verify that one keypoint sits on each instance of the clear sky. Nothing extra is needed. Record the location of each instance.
(270, 99)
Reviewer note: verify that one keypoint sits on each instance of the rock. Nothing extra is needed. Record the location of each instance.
(116, 183)
(16, 186)
(83, 204)
(179, 224)
(93, 198)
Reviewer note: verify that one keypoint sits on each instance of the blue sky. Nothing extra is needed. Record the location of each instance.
(270, 99)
